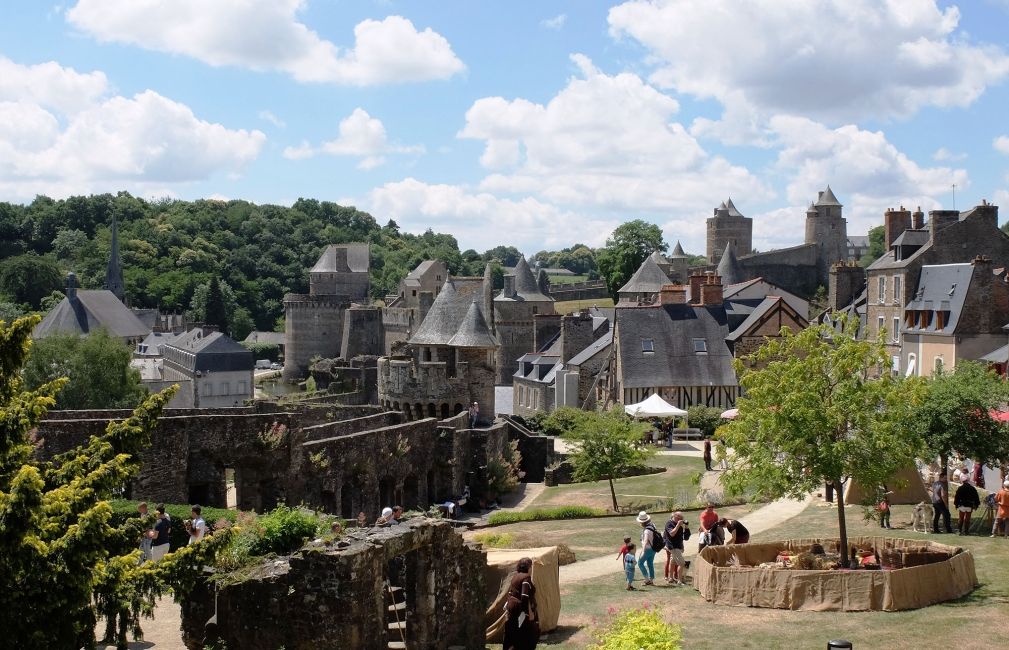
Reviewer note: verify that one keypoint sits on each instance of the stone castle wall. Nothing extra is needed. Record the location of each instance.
(514, 324)
(435, 388)
(588, 290)
(722, 230)
(313, 328)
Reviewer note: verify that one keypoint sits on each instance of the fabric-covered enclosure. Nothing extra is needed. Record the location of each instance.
(546, 579)
(720, 580)
(906, 485)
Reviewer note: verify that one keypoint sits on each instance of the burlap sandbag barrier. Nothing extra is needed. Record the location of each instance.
(546, 578)
(731, 575)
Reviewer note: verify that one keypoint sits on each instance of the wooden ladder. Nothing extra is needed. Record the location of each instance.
(396, 616)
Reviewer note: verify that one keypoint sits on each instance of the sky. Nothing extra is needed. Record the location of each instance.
(532, 124)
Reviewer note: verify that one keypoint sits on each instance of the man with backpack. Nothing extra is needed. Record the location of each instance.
(651, 543)
(675, 533)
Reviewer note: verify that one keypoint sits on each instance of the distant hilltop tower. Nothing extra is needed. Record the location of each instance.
(729, 225)
(826, 227)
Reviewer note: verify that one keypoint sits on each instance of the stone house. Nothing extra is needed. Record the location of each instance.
(949, 237)
(218, 370)
(405, 311)
(515, 308)
(450, 361)
(957, 311)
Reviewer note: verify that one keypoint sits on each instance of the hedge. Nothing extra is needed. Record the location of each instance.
(178, 537)
(544, 514)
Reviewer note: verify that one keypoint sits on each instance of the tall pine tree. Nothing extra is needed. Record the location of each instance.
(217, 314)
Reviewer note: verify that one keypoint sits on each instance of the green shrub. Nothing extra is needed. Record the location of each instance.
(284, 530)
(634, 629)
(178, 537)
(496, 540)
(545, 514)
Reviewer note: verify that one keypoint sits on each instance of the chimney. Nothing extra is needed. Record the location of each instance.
(918, 219)
(576, 334)
(894, 223)
(696, 280)
(340, 259)
(673, 294)
(939, 219)
(711, 290)
(983, 295)
(545, 327)
(846, 281)
(71, 291)
(509, 286)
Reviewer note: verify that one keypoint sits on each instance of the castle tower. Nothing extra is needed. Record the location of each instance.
(514, 311)
(114, 272)
(826, 227)
(729, 268)
(679, 264)
(728, 225)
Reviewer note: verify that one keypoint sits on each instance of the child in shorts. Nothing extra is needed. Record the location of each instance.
(623, 549)
(629, 562)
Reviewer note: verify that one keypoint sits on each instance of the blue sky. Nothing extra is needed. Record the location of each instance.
(535, 124)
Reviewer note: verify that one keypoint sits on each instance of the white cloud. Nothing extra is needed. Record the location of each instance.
(268, 116)
(361, 135)
(867, 172)
(528, 223)
(831, 60)
(267, 35)
(605, 143)
(61, 133)
(942, 154)
(1001, 144)
(555, 23)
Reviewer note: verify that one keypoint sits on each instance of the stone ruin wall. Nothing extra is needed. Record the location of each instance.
(334, 597)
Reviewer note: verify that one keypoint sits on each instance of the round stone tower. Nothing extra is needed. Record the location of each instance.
(728, 225)
(826, 227)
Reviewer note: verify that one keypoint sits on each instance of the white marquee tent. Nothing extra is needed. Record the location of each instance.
(653, 407)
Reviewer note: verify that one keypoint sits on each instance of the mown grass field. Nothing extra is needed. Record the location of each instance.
(569, 306)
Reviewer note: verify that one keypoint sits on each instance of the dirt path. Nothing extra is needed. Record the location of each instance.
(163, 632)
(758, 521)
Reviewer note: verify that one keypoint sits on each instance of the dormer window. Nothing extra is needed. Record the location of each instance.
(700, 346)
(952, 289)
(648, 346)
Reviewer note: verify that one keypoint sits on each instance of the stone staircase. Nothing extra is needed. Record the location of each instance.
(395, 617)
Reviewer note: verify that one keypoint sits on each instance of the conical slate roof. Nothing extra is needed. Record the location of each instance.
(473, 331)
(449, 311)
(827, 198)
(659, 258)
(729, 268)
(649, 278)
(526, 288)
(733, 212)
(678, 251)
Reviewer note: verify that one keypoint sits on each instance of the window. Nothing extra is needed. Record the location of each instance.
(882, 289)
(536, 310)
(895, 365)
(437, 278)
(879, 326)
(700, 346)
(225, 388)
(896, 290)
(647, 346)
(240, 389)
(895, 334)
(208, 389)
(910, 365)
(414, 293)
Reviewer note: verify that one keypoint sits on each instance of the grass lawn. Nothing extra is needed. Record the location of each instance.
(635, 492)
(569, 306)
(973, 622)
(590, 538)
(567, 279)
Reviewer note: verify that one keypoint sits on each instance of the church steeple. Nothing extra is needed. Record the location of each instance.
(114, 272)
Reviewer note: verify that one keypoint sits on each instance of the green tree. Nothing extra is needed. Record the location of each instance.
(877, 241)
(49, 302)
(626, 249)
(9, 312)
(96, 366)
(507, 255)
(62, 563)
(705, 418)
(954, 415)
(606, 446)
(813, 413)
(216, 312)
(29, 278)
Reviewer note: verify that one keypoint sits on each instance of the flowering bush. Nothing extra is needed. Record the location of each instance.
(635, 629)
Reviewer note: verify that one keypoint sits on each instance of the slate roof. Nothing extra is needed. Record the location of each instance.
(730, 289)
(473, 331)
(526, 287)
(733, 212)
(449, 310)
(999, 355)
(678, 251)
(860, 241)
(153, 345)
(214, 351)
(766, 305)
(649, 278)
(357, 259)
(912, 238)
(276, 338)
(729, 268)
(673, 329)
(592, 350)
(413, 278)
(89, 310)
(827, 197)
(659, 258)
(543, 367)
(941, 287)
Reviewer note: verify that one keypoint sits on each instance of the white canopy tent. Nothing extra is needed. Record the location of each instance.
(653, 407)
(731, 414)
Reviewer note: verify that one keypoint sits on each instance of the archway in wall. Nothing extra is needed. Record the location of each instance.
(411, 497)
(327, 500)
(444, 411)
(457, 410)
(350, 498)
(386, 492)
(418, 411)
(431, 410)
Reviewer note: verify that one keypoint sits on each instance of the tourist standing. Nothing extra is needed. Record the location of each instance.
(196, 526)
(162, 527)
(649, 541)
(710, 535)
(474, 415)
(623, 549)
(673, 537)
(148, 537)
(966, 501)
(884, 510)
(629, 565)
(940, 503)
(740, 535)
(386, 518)
(397, 516)
(522, 628)
(1002, 510)
(707, 454)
